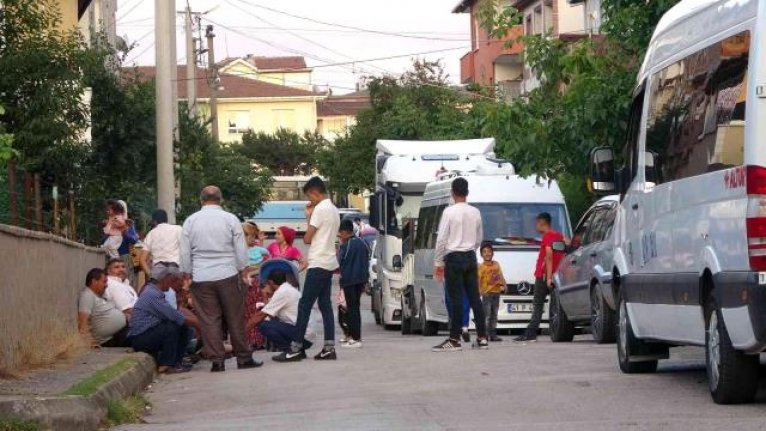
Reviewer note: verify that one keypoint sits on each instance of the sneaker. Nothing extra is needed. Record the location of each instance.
(466, 336)
(352, 344)
(482, 344)
(326, 354)
(290, 356)
(526, 338)
(495, 339)
(449, 345)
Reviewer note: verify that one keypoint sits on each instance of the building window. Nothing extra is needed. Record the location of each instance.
(548, 17)
(538, 20)
(238, 122)
(284, 119)
(528, 28)
(696, 119)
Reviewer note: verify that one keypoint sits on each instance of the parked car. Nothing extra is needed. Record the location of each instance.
(583, 294)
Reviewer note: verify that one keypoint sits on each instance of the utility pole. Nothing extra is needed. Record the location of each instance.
(164, 25)
(213, 82)
(191, 65)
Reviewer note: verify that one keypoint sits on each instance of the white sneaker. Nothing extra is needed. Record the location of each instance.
(352, 344)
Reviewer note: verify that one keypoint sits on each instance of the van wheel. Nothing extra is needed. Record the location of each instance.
(603, 325)
(732, 375)
(561, 329)
(406, 319)
(428, 329)
(627, 343)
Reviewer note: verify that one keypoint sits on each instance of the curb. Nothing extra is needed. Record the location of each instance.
(82, 413)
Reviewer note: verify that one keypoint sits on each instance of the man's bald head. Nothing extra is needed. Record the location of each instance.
(211, 195)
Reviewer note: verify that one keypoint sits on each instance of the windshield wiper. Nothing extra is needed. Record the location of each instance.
(516, 240)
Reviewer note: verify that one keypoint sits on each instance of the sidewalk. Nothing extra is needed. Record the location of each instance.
(74, 394)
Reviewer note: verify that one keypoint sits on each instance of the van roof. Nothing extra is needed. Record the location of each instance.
(409, 148)
(499, 188)
(691, 22)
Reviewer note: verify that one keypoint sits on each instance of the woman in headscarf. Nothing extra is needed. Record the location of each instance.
(255, 298)
(282, 248)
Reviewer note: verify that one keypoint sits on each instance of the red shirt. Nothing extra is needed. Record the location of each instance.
(548, 240)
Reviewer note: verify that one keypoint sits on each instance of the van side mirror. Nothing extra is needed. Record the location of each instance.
(602, 173)
(559, 246)
(397, 262)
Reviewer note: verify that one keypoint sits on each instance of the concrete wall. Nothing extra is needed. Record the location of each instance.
(42, 276)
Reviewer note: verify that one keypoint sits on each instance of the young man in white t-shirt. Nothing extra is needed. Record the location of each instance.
(282, 310)
(323, 222)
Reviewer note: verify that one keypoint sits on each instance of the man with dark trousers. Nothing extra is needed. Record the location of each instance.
(354, 259)
(460, 234)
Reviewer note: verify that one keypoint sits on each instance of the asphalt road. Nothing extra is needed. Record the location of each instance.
(396, 383)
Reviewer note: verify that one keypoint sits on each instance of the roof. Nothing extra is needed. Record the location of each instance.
(348, 104)
(277, 63)
(82, 6)
(234, 87)
(462, 147)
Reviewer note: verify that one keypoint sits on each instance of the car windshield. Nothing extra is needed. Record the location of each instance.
(514, 224)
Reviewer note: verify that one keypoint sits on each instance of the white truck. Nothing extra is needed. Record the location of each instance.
(402, 171)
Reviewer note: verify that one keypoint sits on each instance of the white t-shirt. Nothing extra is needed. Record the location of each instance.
(284, 304)
(164, 243)
(326, 220)
(120, 293)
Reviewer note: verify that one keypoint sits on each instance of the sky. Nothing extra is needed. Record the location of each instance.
(249, 27)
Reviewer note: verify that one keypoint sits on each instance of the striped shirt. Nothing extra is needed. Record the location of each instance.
(150, 310)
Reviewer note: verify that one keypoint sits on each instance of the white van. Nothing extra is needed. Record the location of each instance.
(509, 207)
(690, 235)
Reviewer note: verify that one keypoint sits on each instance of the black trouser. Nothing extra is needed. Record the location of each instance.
(538, 303)
(461, 279)
(353, 294)
(166, 342)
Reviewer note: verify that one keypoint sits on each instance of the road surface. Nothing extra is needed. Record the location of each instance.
(395, 383)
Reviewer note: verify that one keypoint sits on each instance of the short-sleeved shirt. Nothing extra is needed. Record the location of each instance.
(548, 239)
(120, 293)
(284, 304)
(326, 220)
(491, 278)
(289, 253)
(257, 255)
(105, 319)
(164, 243)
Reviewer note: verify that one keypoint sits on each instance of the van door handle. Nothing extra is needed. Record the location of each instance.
(594, 254)
(634, 206)
(429, 276)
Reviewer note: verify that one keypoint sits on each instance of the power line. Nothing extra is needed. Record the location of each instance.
(130, 10)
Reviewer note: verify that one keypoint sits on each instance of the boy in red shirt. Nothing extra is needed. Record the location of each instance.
(547, 262)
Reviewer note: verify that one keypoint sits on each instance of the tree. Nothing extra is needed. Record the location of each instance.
(284, 152)
(41, 86)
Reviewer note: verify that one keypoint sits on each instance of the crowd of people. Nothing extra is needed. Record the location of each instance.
(213, 289)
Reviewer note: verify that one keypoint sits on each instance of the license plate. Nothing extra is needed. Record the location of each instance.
(519, 308)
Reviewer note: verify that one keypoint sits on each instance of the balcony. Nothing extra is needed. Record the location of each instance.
(467, 68)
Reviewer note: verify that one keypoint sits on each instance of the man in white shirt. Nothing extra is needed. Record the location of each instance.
(460, 234)
(323, 223)
(162, 245)
(281, 310)
(118, 291)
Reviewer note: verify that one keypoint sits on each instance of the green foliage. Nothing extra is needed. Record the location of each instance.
(8, 424)
(41, 86)
(284, 152)
(6, 142)
(91, 384)
(127, 411)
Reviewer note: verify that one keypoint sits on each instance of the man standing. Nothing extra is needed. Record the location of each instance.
(214, 252)
(354, 273)
(162, 245)
(157, 328)
(98, 318)
(460, 234)
(118, 290)
(323, 222)
(547, 262)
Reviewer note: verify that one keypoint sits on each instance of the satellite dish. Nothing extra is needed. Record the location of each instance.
(121, 44)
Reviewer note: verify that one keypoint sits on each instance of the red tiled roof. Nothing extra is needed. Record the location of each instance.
(233, 86)
(277, 63)
(343, 105)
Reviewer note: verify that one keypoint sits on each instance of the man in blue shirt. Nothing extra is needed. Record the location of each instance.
(157, 328)
(354, 259)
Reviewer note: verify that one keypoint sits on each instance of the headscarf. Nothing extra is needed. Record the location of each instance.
(288, 234)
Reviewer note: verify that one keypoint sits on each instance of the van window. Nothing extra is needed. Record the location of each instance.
(435, 227)
(696, 119)
(425, 227)
(634, 131)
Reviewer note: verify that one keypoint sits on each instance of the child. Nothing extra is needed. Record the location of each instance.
(354, 273)
(115, 225)
(491, 285)
(255, 297)
(256, 252)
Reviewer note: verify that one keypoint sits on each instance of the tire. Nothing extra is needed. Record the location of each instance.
(376, 310)
(627, 344)
(390, 327)
(561, 329)
(732, 374)
(406, 319)
(603, 320)
(428, 329)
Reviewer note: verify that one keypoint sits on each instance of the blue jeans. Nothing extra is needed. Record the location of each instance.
(165, 342)
(279, 333)
(317, 288)
(466, 308)
(461, 279)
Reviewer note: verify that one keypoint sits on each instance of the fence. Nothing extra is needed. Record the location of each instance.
(42, 275)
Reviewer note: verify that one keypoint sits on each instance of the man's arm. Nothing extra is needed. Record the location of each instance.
(191, 319)
(83, 322)
(479, 233)
(310, 232)
(240, 245)
(441, 247)
(549, 265)
(144, 261)
(185, 253)
(255, 320)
